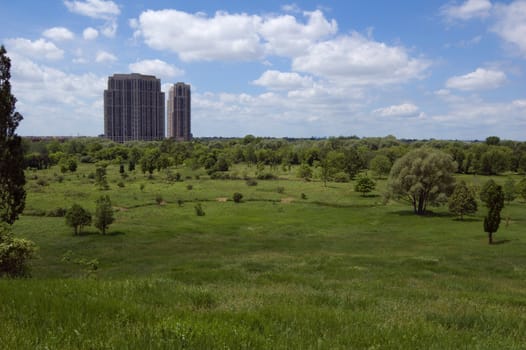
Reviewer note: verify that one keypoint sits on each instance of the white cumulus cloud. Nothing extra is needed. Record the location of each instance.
(90, 33)
(109, 29)
(58, 34)
(196, 37)
(480, 79)
(402, 110)
(276, 80)
(100, 9)
(357, 60)
(155, 67)
(225, 36)
(37, 49)
(104, 56)
(285, 36)
(511, 24)
(468, 10)
(54, 102)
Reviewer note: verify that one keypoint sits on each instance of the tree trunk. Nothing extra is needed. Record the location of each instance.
(490, 237)
(421, 208)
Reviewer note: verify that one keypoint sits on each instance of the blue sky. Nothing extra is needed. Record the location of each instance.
(413, 69)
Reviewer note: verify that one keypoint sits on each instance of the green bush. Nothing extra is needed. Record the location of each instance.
(56, 213)
(251, 182)
(237, 197)
(341, 177)
(199, 211)
(266, 176)
(15, 254)
(280, 189)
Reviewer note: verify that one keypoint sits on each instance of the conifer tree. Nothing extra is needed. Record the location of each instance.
(493, 197)
(12, 179)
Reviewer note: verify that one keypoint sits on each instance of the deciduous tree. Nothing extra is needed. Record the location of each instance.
(380, 165)
(510, 190)
(462, 200)
(421, 177)
(364, 185)
(77, 217)
(103, 214)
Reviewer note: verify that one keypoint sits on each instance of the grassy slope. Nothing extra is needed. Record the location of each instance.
(332, 271)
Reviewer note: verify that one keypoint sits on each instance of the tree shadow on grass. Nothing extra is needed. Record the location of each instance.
(466, 220)
(427, 214)
(97, 233)
(115, 233)
(370, 196)
(502, 241)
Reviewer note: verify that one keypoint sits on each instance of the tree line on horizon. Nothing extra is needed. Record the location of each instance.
(346, 157)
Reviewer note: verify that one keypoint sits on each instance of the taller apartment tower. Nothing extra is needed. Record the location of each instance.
(179, 112)
(134, 108)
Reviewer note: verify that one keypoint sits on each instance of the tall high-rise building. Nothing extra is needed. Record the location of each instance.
(134, 108)
(179, 112)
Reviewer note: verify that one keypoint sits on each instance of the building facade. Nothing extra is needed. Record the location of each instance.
(179, 112)
(134, 108)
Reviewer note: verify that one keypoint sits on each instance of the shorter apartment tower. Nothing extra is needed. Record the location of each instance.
(179, 112)
(134, 108)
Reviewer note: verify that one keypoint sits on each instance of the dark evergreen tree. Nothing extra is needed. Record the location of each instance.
(493, 197)
(12, 179)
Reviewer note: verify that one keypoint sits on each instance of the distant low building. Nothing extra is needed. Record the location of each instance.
(179, 112)
(134, 108)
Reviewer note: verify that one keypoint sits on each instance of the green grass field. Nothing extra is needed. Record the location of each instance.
(332, 271)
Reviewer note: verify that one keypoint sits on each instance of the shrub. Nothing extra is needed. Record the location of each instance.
(87, 159)
(199, 211)
(34, 212)
(141, 187)
(266, 176)
(41, 182)
(56, 213)
(280, 189)
(189, 187)
(237, 197)
(251, 182)
(120, 184)
(364, 185)
(15, 254)
(59, 178)
(91, 176)
(304, 172)
(341, 177)
(158, 199)
(303, 196)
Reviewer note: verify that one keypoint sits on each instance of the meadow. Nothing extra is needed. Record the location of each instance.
(328, 269)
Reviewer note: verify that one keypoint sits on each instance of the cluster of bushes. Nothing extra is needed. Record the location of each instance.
(77, 217)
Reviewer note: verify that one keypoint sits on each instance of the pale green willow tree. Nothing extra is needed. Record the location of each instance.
(422, 177)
